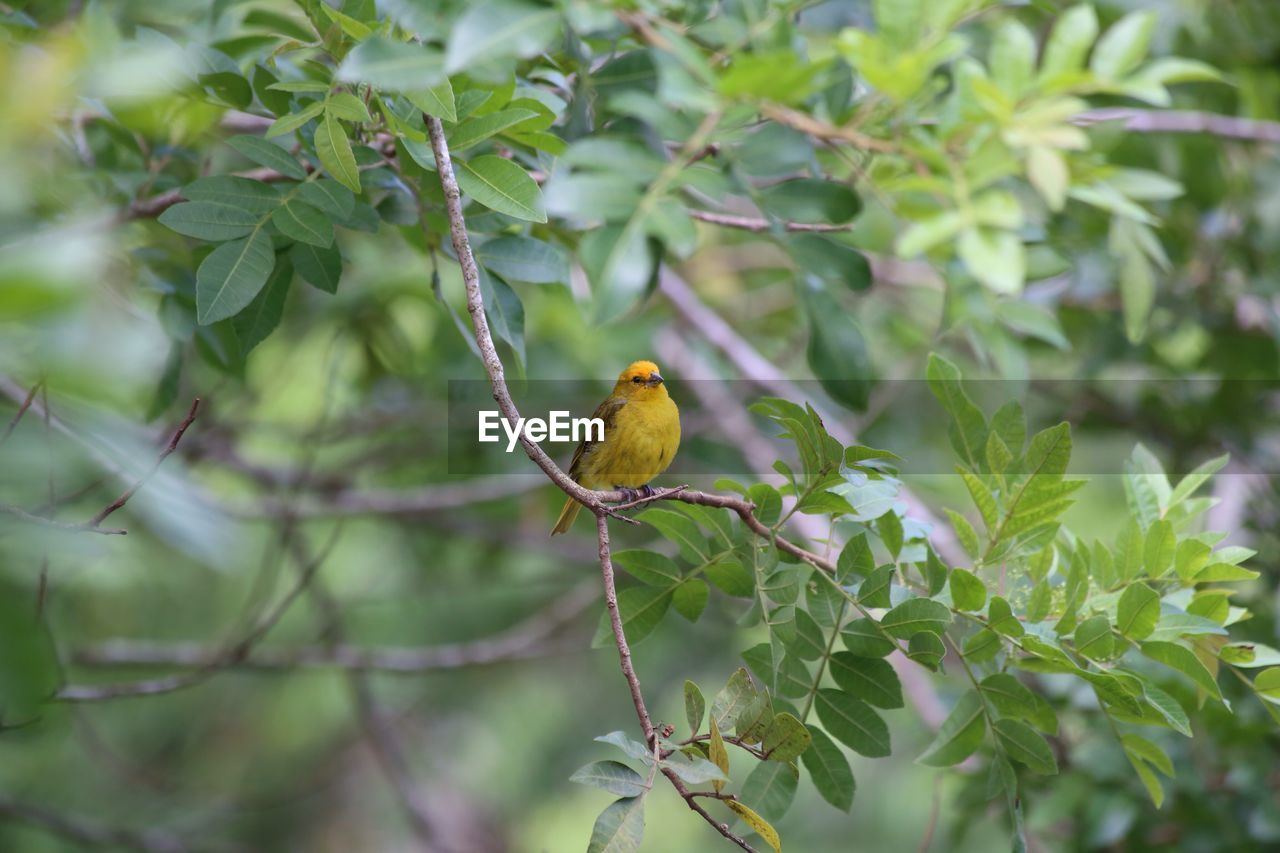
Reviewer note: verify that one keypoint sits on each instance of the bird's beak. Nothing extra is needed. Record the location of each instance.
(654, 379)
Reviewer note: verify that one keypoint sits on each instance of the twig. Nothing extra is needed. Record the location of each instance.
(164, 454)
(22, 410)
(758, 224)
(152, 206)
(45, 521)
(90, 832)
(230, 657)
(1184, 121)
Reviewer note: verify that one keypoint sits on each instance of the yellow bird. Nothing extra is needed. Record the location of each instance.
(641, 436)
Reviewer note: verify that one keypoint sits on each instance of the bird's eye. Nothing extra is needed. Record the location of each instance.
(637, 379)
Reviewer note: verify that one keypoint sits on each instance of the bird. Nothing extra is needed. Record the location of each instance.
(641, 437)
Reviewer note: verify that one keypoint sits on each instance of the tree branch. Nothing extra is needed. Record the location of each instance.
(233, 655)
(22, 410)
(90, 832)
(525, 640)
(164, 454)
(1184, 121)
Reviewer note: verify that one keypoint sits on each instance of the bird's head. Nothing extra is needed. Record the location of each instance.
(640, 381)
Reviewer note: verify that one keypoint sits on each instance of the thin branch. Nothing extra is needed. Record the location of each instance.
(758, 224)
(22, 410)
(90, 832)
(633, 681)
(164, 454)
(525, 640)
(233, 655)
(1184, 121)
(383, 502)
(153, 206)
(45, 521)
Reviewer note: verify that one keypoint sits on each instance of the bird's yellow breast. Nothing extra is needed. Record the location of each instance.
(643, 440)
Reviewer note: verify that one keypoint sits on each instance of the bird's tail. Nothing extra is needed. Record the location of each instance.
(567, 515)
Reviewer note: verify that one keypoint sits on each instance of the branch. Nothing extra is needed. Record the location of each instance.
(595, 501)
(633, 681)
(89, 832)
(1184, 121)
(233, 655)
(147, 208)
(164, 454)
(527, 639)
(22, 410)
(45, 521)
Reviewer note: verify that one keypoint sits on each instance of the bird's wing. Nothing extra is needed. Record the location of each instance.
(607, 412)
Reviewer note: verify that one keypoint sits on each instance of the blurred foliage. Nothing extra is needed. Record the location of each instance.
(238, 201)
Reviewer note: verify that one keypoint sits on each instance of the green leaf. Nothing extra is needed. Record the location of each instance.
(209, 220)
(1139, 748)
(731, 578)
(505, 312)
(872, 680)
(829, 770)
(969, 431)
(345, 105)
(811, 200)
(260, 318)
(717, 753)
(690, 598)
(490, 30)
(436, 101)
(612, 776)
(1138, 611)
(393, 65)
(524, 259)
(476, 130)
(1000, 618)
(303, 223)
(1123, 46)
(889, 526)
(1250, 655)
(874, 591)
(232, 275)
(632, 748)
(785, 739)
(982, 646)
(1012, 698)
(641, 609)
(349, 25)
(681, 530)
(960, 734)
(268, 154)
(1267, 684)
(695, 707)
(853, 722)
(1159, 548)
(501, 185)
(731, 700)
(771, 787)
(926, 649)
(1188, 485)
(334, 150)
(649, 567)
(916, 614)
(968, 592)
(768, 502)
(329, 196)
(837, 351)
(235, 191)
(1025, 745)
(934, 572)
(994, 257)
(1012, 57)
(1069, 43)
(293, 121)
(620, 827)
(1185, 661)
(319, 267)
(1093, 638)
(964, 532)
(863, 638)
(758, 824)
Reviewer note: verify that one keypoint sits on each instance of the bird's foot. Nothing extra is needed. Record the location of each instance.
(629, 495)
(647, 490)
